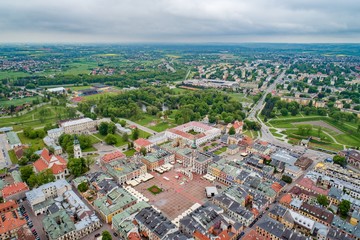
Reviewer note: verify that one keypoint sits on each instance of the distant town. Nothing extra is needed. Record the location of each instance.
(221, 142)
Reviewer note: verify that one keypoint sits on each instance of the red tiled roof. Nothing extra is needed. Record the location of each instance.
(112, 156)
(286, 199)
(200, 236)
(45, 154)
(14, 188)
(7, 205)
(40, 165)
(253, 235)
(238, 124)
(142, 142)
(10, 222)
(276, 187)
(134, 236)
(44, 161)
(307, 183)
(57, 168)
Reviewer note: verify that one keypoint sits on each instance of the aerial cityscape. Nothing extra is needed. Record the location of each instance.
(172, 132)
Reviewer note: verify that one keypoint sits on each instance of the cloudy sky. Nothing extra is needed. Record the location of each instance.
(180, 21)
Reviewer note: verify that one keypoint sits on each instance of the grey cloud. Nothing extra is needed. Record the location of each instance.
(179, 20)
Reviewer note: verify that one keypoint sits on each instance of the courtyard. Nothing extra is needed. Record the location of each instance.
(178, 192)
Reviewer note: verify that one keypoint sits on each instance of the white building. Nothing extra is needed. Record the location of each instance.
(38, 196)
(81, 125)
(191, 131)
(55, 133)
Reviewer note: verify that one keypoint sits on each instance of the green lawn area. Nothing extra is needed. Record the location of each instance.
(146, 119)
(31, 119)
(120, 141)
(143, 134)
(11, 74)
(350, 136)
(13, 157)
(162, 126)
(130, 152)
(81, 67)
(221, 150)
(77, 88)
(98, 96)
(36, 143)
(17, 102)
(180, 90)
(239, 97)
(154, 189)
(273, 131)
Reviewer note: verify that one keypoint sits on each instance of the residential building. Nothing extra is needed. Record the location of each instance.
(123, 170)
(13, 139)
(274, 230)
(123, 223)
(352, 156)
(10, 220)
(15, 191)
(143, 143)
(69, 218)
(55, 133)
(42, 197)
(113, 203)
(158, 158)
(153, 225)
(109, 157)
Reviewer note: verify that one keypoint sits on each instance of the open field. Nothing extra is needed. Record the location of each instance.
(130, 152)
(13, 157)
(337, 134)
(120, 141)
(155, 123)
(36, 143)
(17, 102)
(320, 124)
(32, 118)
(239, 97)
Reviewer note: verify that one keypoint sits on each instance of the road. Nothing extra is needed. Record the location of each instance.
(140, 126)
(4, 155)
(260, 103)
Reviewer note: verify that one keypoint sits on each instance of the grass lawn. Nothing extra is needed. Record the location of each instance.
(349, 138)
(11, 74)
(98, 96)
(180, 90)
(13, 157)
(146, 119)
(17, 102)
(220, 151)
(89, 149)
(80, 67)
(162, 126)
(273, 132)
(31, 119)
(130, 152)
(143, 134)
(36, 143)
(240, 97)
(154, 189)
(77, 88)
(120, 141)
